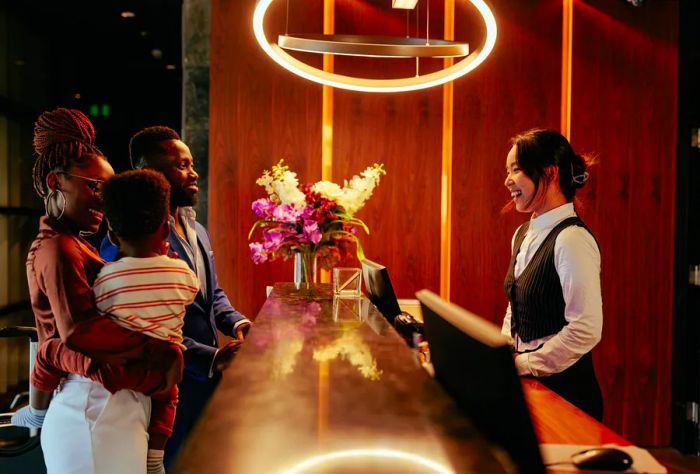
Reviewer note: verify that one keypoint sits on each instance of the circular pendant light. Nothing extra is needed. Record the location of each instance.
(292, 64)
(373, 46)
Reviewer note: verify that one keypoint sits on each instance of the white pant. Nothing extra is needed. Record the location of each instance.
(88, 430)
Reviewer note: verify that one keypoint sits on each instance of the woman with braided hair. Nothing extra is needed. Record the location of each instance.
(555, 314)
(87, 429)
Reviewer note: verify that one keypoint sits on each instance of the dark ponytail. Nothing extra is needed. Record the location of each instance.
(539, 148)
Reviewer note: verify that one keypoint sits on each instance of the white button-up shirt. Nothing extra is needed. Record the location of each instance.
(577, 261)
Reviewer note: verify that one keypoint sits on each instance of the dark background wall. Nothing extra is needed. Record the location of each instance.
(80, 54)
(623, 110)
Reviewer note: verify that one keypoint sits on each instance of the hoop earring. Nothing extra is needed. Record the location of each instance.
(49, 197)
(109, 237)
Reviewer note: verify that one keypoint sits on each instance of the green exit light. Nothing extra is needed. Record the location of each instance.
(104, 110)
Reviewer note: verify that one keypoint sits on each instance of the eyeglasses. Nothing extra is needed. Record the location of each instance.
(95, 185)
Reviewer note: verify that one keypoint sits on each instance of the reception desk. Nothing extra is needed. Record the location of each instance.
(330, 382)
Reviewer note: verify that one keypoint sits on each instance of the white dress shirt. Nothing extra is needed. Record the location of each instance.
(577, 261)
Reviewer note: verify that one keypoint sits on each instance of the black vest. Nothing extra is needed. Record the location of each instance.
(536, 298)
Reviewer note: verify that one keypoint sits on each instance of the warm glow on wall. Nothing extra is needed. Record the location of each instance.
(443, 76)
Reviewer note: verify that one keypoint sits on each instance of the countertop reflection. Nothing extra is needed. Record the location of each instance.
(324, 385)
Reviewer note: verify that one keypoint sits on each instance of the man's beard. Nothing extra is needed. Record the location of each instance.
(179, 197)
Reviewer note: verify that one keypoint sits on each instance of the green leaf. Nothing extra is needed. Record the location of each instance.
(260, 223)
(358, 245)
(348, 219)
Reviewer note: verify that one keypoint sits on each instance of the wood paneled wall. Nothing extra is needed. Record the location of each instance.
(511, 92)
(259, 113)
(624, 103)
(623, 109)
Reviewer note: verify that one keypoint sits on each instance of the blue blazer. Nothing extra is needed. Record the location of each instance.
(207, 312)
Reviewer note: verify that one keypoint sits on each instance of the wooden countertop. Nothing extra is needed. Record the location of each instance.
(317, 376)
(558, 421)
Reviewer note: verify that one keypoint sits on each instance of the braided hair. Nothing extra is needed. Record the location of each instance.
(62, 137)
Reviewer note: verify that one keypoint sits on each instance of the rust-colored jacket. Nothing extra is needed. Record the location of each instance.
(61, 268)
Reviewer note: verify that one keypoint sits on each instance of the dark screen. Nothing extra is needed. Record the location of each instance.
(482, 379)
(379, 289)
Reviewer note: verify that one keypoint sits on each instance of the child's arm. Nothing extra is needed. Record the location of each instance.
(139, 379)
(54, 359)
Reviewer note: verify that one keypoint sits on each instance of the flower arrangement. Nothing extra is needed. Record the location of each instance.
(312, 220)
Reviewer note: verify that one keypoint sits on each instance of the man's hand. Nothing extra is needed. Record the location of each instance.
(242, 331)
(225, 354)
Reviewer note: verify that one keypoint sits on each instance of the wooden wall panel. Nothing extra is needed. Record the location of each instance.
(624, 108)
(259, 113)
(403, 131)
(517, 88)
(404, 213)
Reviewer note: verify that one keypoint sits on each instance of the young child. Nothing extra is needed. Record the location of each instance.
(145, 291)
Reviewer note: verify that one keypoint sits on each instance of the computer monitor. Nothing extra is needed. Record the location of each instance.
(379, 289)
(474, 364)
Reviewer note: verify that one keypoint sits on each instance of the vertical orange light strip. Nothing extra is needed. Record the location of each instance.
(327, 109)
(327, 113)
(566, 59)
(323, 373)
(326, 174)
(446, 184)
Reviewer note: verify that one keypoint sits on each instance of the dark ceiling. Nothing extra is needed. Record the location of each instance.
(125, 72)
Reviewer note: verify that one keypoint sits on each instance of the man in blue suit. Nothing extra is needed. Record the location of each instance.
(161, 149)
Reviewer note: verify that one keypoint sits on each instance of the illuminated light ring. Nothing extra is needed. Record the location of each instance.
(447, 74)
(374, 453)
(373, 46)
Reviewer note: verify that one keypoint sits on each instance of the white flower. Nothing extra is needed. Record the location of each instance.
(281, 185)
(328, 190)
(287, 189)
(373, 173)
(266, 181)
(359, 189)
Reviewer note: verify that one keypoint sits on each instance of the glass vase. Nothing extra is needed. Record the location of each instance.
(305, 269)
